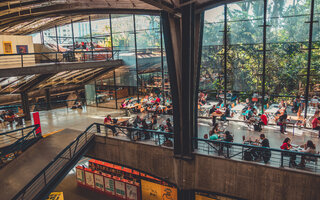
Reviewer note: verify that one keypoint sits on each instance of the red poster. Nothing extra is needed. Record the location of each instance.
(36, 120)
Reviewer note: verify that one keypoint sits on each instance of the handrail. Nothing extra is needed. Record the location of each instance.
(19, 129)
(57, 52)
(19, 145)
(270, 156)
(257, 147)
(21, 194)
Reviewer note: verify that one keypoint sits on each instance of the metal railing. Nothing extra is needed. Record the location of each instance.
(51, 172)
(158, 137)
(31, 59)
(40, 183)
(12, 143)
(257, 154)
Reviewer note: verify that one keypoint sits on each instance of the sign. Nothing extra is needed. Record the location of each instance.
(98, 179)
(55, 196)
(109, 186)
(36, 120)
(89, 179)
(154, 191)
(22, 49)
(120, 189)
(80, 176)
(132, 192)
(7, 47)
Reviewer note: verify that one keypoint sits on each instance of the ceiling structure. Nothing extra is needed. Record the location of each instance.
(18, 84)
(29, 16)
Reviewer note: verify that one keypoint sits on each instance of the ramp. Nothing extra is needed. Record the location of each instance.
(18, 173)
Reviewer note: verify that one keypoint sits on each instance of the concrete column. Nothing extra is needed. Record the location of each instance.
(48, 99)
(25, 105)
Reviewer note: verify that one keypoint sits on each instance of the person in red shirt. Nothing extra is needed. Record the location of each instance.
(108, 120)
(158, 100)
(286, 145)
(264, 119)
(316, 124)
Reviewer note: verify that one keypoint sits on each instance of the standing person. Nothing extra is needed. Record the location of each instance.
(286, 145)
(283, 119)
(316, 124)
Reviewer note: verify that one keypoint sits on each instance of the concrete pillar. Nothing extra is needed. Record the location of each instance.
(48, 99)
(25, 105)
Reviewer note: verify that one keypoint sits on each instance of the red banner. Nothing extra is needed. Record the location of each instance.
(36, 120)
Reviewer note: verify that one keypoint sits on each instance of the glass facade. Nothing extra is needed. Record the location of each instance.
(286, 50)
(136, 39)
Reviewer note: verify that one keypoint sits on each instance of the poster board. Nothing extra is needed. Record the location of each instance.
(98, 182)
(7, 47)
(132, 192)
(109, 186)
(154, 191)
(89, 179)
(55, 196)
(120, 189)
(22, 49)
(80, 176)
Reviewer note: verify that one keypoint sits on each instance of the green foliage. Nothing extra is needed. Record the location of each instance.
(286, 57)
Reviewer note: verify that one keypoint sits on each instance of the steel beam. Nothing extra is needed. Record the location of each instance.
(306, 96)
(182, 57)
(59, 67)
(25, 105)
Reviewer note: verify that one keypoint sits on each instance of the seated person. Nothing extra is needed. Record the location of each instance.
(216, 129)
(137, 121)
(249, 113)
(213, 135)
(286, 145)
(265, 154)
(227, 113)
(309, 147)
(228, 137)
(212, 110)
(154, 122)
(146, 127)
(109, 121)
(157, 100)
